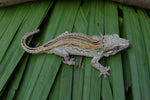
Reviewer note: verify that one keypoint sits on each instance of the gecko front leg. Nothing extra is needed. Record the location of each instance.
(103, 70)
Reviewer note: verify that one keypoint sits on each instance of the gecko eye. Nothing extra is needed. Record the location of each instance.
(117, 48)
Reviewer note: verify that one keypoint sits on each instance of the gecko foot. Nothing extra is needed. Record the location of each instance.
(70, 61)
(104, 71)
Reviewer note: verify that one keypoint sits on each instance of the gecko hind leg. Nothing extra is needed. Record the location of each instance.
(63, 53)
(69, 61)
(103, 70)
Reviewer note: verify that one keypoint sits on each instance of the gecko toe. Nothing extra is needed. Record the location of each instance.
(100, 74)
(104, 71)
(105, 76)
(108, 68)
(108, 74)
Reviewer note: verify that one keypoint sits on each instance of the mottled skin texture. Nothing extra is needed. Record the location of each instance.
(80, 44)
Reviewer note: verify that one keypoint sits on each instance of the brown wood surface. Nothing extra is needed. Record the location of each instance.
(11, 2)
(138, 3)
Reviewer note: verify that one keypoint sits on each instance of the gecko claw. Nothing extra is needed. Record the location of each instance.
(104, 71)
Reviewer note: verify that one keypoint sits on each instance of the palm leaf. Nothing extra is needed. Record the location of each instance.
(25, 76)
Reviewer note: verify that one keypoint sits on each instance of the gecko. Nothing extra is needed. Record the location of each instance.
(80, 44)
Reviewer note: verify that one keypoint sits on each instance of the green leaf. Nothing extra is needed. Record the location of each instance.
(46, 66)
(136, 55)
(15, 51)
(111, 27)
(43, 76)
(15, 80)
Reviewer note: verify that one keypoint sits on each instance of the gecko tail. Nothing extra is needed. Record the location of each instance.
(26, 47)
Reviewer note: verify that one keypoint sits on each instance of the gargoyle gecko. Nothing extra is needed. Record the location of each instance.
(80, 44)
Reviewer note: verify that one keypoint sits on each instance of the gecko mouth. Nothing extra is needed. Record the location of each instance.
(117, 49)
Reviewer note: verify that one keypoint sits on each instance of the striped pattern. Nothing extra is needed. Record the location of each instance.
(77, 39)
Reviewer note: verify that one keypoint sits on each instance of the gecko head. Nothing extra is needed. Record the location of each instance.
(112, 44)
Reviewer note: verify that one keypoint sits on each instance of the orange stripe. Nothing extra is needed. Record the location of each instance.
(75, 43)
